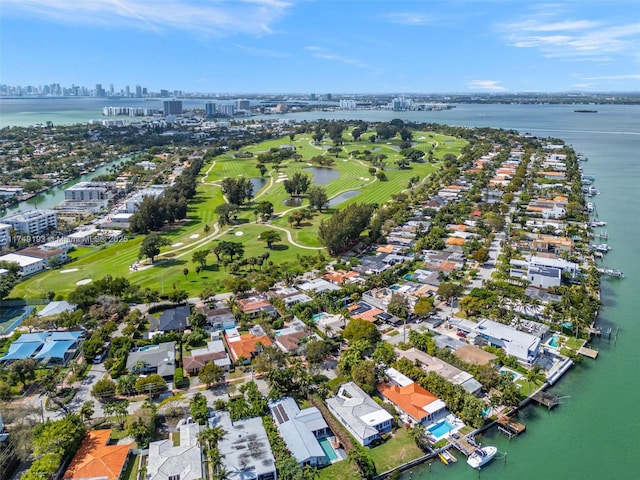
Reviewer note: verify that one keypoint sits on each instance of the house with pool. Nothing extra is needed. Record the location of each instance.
(360, 415)
(306, 433)
(415, 404)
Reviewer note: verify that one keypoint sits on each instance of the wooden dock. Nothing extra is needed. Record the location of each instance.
(463, 444)
(588, 352)
(510, 427)
(546, 399)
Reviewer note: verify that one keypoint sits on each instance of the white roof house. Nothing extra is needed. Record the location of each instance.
(359, 414)
(523, 346)
(28, 265)
(245, 449)
(168, 462)
(300, 430)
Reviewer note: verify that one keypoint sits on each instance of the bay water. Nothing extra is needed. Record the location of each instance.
(595, 432)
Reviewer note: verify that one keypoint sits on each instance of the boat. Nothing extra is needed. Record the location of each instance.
(481, 456)
(601, 247)
(585, 111)
(590, 207)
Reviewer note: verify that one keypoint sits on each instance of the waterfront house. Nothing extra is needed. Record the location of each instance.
(360, 415)
(301, 430)
(415, 404)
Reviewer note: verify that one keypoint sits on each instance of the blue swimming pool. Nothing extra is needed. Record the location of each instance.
(318, 316)
(328, 450)
(554, 342)
(440, 429)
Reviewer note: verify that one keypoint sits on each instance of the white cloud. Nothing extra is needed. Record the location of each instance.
(221, 17)
(616, 77)
(487, 85)
(573, 39)
(408, 18)
(319, 52)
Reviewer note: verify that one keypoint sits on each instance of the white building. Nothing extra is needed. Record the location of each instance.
(88, 191)
(33, 222)
(132, 203)
(5, 234)
(348, 104)
(359, 414)
(183, 462)
(28, 265)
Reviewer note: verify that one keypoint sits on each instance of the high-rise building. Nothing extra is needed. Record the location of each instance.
(138, 91)
(99, 90)
(127, 91)
(111, 89)
(226, 110)
(242, 104)
(210, 109)
(172, 107)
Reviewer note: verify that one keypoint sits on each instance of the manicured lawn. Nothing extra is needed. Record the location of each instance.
(401, 448)
(342, 470)
(188, 236)
(131, 472)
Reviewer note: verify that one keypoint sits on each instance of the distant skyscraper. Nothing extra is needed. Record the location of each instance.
(145, 92)
(111, 89)
(127, 91)
(312, 97)
(138, 91)
(164, 93)
(226, 110)
(99, 90)
(172, 107)
(242, 104)
(210, 109)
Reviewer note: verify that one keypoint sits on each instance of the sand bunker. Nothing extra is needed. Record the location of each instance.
(69, 270)
(179, 244)
(239, 234)
(84, 281)
(195, 235)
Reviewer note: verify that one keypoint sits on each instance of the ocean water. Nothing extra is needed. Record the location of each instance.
(595, 432)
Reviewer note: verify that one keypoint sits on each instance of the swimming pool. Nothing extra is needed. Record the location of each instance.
(328, 450)
(318, 316)
(554, 342)
(440, 429)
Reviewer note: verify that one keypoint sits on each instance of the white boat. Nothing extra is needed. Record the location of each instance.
(481, 456)
(601, 247)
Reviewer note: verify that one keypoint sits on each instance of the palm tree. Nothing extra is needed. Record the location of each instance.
(534, 374)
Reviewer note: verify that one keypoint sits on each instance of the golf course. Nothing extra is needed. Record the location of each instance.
(345, 176)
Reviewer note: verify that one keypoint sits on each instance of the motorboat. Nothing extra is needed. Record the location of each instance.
(601, 247)
(481, 456)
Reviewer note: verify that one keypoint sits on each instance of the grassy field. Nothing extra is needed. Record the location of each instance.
(189, 235)
(401, 448)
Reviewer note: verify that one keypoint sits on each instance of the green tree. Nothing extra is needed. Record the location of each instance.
(87, 410)
(318, 197)
(151, 244)
(24, 369)
(270, 237)
(151, 384)
(237, 190)
(449, 291)
(344, 227)
(198, 408)
(262, 169)
(384, 353)
(104, 389)
(398, 305)
(118, 410)
(62, 436)
(210, 374)
(424, 306)
(225, 210)
(297, 216)
(200, 257)
(297, 184)
(265, 210)
(364, 374)
(358, 329)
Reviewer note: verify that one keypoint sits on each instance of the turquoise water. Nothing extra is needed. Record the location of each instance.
(554, 342)
(327, 448)
(593, 433)
(318, 316)
(440, 429)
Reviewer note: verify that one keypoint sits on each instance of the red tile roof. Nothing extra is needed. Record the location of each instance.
(96, 459)
(412, 398)
(245, 346)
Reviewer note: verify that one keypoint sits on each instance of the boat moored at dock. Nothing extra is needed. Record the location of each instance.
(481, 456)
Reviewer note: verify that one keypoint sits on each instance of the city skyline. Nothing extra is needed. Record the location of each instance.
(297, 46)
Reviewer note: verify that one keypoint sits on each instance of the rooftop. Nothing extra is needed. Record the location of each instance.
(97, 459)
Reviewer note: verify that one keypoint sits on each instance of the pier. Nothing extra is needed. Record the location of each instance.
(464, 445)
(611, 272)
(588, 352)
(546, 399)
(510, 427)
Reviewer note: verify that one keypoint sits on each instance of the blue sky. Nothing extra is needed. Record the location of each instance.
(322, 46)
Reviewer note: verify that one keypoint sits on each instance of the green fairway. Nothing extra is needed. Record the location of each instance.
(351, 175)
